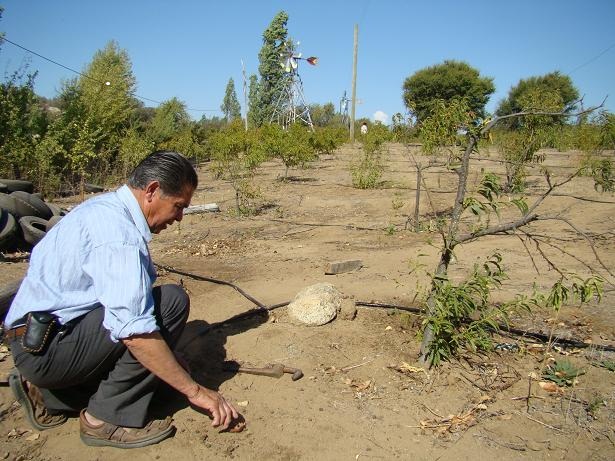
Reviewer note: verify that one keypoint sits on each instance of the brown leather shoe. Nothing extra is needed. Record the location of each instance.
(110, 435)
(31, 400)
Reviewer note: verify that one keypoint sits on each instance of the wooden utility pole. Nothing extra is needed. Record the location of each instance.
(354, 81)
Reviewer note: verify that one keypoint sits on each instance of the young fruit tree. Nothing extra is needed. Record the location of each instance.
(462, 315)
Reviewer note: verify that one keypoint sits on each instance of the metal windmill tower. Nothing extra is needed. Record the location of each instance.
(344, 109)
(290, 105)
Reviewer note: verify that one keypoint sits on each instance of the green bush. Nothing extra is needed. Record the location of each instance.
(367, 171)
(291, 145)
(326, 139)
(456, 304)
(235, 156)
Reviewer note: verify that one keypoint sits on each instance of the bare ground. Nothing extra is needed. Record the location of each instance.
(361, 397)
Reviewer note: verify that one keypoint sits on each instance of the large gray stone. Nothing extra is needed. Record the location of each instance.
(315, 305)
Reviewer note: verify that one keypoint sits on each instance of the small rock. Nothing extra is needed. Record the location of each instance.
(339, 267)
(348, 308)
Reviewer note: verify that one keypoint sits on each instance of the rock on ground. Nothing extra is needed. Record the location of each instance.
(315, 305)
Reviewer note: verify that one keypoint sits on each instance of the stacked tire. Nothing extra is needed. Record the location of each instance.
(25, 217)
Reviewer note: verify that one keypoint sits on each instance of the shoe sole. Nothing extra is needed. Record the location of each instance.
(21, 394)
(98, 442)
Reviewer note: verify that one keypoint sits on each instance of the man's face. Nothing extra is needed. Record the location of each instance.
(164, 209)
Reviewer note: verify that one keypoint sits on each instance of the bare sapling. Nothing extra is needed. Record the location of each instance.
(462, 316)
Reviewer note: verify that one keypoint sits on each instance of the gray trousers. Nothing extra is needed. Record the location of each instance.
(84, 368)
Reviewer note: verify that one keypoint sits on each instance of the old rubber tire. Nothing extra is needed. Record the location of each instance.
(7, 293)
(31, 205)
(56, 210)
(17, 184)
(9, 235)
(7, 202)
(55, 219)
(33, 229)
(93, 188)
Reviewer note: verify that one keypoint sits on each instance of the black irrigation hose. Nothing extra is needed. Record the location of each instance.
(563, 342)
(212, 280)
(558, 341)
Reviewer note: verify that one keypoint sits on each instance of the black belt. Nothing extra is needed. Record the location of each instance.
(15, 333)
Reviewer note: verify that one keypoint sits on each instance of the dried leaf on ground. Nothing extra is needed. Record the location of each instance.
(551, 387)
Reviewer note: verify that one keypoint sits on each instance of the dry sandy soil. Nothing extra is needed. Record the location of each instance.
(360, 397)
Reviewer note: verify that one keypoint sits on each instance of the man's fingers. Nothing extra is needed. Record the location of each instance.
(228, 415)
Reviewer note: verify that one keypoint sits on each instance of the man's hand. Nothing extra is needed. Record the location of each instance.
(222, 412)
(154, 354)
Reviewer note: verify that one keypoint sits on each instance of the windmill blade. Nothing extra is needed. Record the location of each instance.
(286, 65)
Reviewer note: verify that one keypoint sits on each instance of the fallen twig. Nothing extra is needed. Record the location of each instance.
(350, 367)
(541, 423)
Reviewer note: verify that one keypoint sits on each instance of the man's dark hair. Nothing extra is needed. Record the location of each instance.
(172, 170)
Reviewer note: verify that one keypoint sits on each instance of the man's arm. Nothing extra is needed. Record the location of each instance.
(155, 355)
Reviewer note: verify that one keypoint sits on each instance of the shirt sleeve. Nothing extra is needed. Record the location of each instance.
(123, 285)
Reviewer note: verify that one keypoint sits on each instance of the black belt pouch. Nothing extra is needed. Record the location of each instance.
(40, 327)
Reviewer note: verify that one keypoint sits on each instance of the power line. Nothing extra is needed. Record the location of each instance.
(592, 59)
(4, 39)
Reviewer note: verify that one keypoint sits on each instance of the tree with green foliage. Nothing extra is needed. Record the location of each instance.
(254, 114)
(230, 104)
(22, 124)
(291, 145)
(520, 147)
(528, 89)
(324, 140)
(170, 118)
(172, 129)
(446, 81)
(462, 315)
(106, 91)
(235, 155)
(205, 127)
(96, 110)
(323, 115)
(275, 39)
(367, 169)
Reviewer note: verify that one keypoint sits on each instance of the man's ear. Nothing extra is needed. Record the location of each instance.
(151, 189)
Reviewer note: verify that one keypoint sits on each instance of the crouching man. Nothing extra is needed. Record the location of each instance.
(88, 331)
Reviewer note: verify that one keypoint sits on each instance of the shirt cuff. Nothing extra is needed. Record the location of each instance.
(137, 326)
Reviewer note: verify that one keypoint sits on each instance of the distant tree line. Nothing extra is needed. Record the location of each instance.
(96, 129)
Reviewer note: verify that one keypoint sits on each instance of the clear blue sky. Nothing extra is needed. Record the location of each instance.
(189, 49)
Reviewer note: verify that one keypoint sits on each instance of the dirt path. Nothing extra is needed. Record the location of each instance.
(360, 397)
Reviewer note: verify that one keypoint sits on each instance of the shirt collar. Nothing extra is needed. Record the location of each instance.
(128, 199)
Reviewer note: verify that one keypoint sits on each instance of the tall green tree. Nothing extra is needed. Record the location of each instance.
(230, 104)
(97, 109)
(106, 89)
(322, 115)
(172, 129)
(254, 115)
(169, 119)
(22, 122)
(275, 41)
(445, 82)
(547, 85)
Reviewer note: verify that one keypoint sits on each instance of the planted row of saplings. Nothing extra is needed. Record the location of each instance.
(25, 217)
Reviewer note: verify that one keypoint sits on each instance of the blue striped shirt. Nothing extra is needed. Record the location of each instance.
(96, 255)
